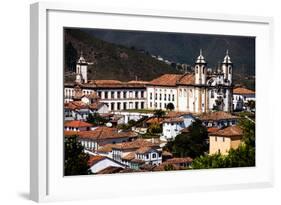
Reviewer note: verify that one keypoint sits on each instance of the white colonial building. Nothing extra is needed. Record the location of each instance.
(173, 126)
(198, 92)
(202, 91)
(241, 96)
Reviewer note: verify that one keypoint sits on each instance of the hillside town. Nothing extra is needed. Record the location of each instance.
(158, 125)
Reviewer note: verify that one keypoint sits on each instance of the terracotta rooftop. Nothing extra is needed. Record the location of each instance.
(213, 129)
(143, 150)
(110, 170)
(243, 91)
(95, 159)
(105, 133)
(178, 160)
(114, 84)
(105, 148)
(155, 120)
(230, 131)
(220, 115)
(129, 156)
(75, 105)
(173, 80)
(173, 119)
(77, 124)
(136, 144)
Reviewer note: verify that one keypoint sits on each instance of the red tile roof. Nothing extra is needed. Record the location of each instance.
(95, 159)
(173, 119)
(101, 133)
(231, 131)
(77, 124)
(173, 80)
(136, 144)
(179, 160)
(219, 115)
(243, 91)
(213, 129)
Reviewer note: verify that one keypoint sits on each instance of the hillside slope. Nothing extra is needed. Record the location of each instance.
(111, 61)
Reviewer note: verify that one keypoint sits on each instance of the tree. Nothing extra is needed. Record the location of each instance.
(191, 144)
(170, 106)
(75, 160)
(159, 113)
(155, 128)
(96, 119)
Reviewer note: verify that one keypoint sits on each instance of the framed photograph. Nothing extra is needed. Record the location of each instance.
(129, 101)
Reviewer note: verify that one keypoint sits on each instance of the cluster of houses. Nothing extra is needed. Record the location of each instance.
(205, 95)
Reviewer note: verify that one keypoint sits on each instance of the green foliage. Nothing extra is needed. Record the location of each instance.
(159, 113)
(75, 160)
(155, 128)
(244, 156)
(251, 104)
(169, 167)
(192, 144)
(170, 106)
(249, 131)
(96, 119)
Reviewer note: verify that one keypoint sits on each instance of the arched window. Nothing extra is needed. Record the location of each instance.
(230, 70)
(196, 69)
(204, 70)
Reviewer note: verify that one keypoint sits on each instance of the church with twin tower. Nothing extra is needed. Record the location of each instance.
(202, 91)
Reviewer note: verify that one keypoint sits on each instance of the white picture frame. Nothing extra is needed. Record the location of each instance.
(47, 182)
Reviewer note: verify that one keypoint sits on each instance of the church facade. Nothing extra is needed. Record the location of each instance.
(202, 91)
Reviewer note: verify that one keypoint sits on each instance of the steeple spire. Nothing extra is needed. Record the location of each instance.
(200, 58)
(227, 58)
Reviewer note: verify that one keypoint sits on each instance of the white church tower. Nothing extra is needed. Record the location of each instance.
(200, 70)
(227, 69)
(82, 70)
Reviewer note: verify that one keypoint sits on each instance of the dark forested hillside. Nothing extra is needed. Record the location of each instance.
(110, 61)
(116, 54)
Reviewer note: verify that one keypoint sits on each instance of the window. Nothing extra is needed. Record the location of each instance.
(124, 106)
(155, 105)
(105, 94)
(196, 69)
(165, 97)
(230, 70)
(212, 94)
(173, 97)
(112, 94)
(147, 156)
(156, 95)
(153, 155)
(223, 139)
(142, 105)
(118, 105)
(136, 105)
(184, 92)
(150, 104)
(142, 94)
(99, 94)
(160, 96)
(136, 94)
(112, 106)
(150, 96)
(160, 105)
(124, 94)
(169, 97)
(118, 94)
